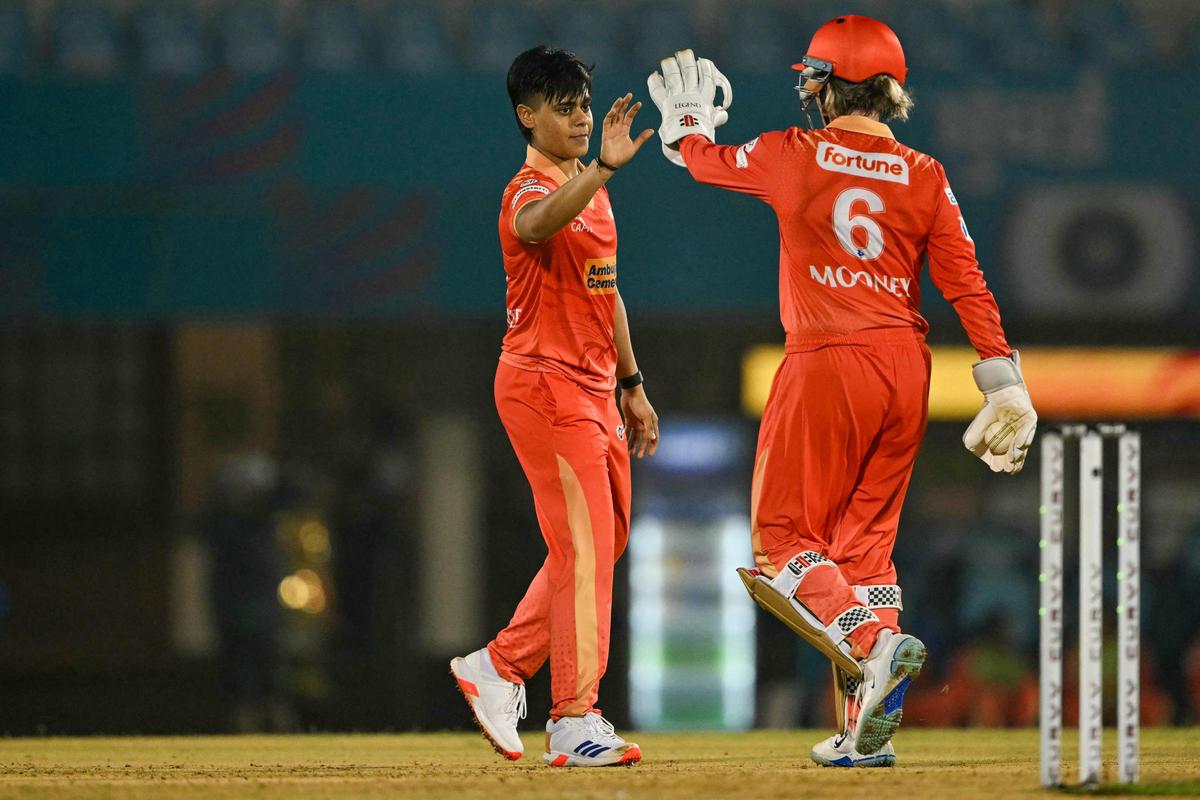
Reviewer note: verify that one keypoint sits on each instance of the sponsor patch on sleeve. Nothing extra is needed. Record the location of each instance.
(743, 151)
(950, 196)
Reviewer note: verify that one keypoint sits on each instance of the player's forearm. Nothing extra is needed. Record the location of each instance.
(980, 318)
(541, 219)
(702, 158)
(958, 277)
(626, 363)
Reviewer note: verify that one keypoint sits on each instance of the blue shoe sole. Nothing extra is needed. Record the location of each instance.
(880, 723)
(863, 763)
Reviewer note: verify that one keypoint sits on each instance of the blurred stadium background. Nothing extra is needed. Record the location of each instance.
(251, 476)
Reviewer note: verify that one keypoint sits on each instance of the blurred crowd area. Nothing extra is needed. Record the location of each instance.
(100, 39)
(293, 527)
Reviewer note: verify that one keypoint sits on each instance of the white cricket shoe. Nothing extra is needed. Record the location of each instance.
(496, 703)
(587, 741)
(894, 661)
(838, 751)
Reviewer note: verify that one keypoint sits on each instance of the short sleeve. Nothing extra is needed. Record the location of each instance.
(519, 194)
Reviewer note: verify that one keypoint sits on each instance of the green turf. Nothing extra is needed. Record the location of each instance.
(932, 763)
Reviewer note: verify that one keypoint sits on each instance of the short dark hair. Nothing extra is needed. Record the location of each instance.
(549, 73)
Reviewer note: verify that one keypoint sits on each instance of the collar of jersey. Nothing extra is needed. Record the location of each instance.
(855, 124)
(536, 160)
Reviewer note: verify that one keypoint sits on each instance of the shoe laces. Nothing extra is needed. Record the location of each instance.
(599, 726)
(514, 706)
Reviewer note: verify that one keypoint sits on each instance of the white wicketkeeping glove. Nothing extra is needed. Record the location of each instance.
(1003, 429)
(685, 92)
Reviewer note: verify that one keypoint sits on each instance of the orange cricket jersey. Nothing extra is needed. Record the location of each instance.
(561, 293)
(858, 214)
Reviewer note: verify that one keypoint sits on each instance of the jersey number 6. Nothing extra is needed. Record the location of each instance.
(846, 224)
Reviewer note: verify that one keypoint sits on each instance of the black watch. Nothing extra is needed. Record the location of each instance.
(630, 381)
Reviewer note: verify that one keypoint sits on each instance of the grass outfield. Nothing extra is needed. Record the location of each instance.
(933, 763)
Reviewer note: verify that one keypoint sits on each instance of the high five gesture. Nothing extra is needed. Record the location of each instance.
(616, 145)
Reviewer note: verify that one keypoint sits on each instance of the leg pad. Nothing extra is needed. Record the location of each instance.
(782, 609)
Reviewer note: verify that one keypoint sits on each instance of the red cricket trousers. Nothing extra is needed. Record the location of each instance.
(836, 448)
(571, 445)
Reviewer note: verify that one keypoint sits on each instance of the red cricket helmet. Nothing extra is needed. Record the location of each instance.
(855, 48)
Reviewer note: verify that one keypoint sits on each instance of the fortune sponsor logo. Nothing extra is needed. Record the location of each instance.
(881, 166)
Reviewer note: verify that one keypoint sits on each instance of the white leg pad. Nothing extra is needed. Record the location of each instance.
(794, 571)
(799, 619)
(788, 580)
(777, 595)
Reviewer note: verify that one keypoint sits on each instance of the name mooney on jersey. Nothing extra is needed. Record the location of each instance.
(881, 166)
(846, 278)
(601, 275)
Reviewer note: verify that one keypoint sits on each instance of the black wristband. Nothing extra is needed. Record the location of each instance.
(609, 167)
(630, 381)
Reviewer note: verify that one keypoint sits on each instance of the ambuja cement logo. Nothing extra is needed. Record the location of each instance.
(880, 166)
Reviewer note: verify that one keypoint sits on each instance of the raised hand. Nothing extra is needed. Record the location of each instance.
(685, 93)
(616, 146)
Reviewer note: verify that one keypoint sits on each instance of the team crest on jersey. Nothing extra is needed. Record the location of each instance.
(880, 166)
(601, 275)
(950, 196)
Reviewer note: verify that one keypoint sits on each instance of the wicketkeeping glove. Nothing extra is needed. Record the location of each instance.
(685, 92)
(1003, 429)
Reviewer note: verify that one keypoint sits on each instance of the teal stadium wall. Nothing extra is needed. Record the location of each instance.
(377, 194)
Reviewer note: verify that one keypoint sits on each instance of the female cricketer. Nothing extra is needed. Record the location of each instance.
(566, 350)
(859, 214)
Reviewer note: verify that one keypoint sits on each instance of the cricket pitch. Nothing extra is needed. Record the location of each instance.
(933, 763)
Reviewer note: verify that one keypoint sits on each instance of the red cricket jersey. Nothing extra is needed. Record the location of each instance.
(561, 292)
(858, 214)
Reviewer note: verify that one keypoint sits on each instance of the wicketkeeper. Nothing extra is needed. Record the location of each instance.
(859, 214)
